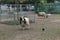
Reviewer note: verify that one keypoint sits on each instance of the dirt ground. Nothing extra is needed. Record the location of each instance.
(51, 32)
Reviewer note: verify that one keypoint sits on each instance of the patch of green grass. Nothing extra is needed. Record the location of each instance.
(57, 30)
(10, 22)
(13, 22)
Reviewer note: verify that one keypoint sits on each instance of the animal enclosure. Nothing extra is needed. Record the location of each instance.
(51, 27)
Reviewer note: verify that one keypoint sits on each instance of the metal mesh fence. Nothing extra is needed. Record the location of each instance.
(10, 13)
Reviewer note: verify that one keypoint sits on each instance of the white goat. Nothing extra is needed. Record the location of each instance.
(43, 14)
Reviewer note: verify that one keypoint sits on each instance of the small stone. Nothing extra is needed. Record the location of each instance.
(43, 29)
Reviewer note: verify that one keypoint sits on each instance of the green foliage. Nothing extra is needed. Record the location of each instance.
(56, 11)
(16, 1)
(9, 1)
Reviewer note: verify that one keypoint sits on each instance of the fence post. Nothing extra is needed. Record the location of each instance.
(0, 12)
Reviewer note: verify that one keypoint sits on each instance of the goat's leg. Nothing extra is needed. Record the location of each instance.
(46, 16)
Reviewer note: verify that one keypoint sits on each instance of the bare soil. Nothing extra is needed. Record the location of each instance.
(51, 32)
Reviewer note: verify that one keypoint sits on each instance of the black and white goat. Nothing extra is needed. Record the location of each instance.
(24, 21)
